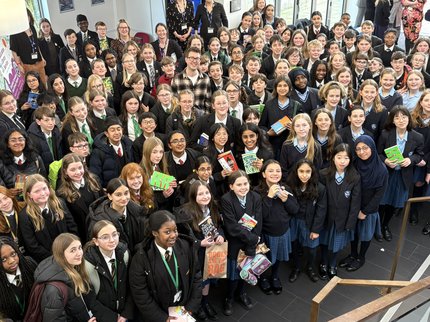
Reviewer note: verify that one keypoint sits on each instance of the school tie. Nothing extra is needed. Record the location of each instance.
(113, 271)
(63, 106)
(242, 203)
(87, 133)
(85, 37)
(339, 179)
(181, 162)
(113, 74)
(233, 113)
(167, 255)
(75, 84)
(152, 74)
(18, 281)
(18, 122)
(19, 162)
(162, 54)
(137, 130)
(51, 145)
(119, 152)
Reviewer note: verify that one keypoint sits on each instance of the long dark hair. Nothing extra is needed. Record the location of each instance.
(262, 141)
(29, 152)
(311, 191)
(350, 172)
(27, 267)
(51, 80)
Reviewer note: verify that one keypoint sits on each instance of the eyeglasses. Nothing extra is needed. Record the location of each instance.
(34, 80)
(97, 86)
(232, 91)
(194, 58)
(128, 61)
(363, 149)
(107, 237)
(81, 146)
(150, 122)
(177, 141)
(204, 169)
(164, 95)
(15, 140)
(123, 28)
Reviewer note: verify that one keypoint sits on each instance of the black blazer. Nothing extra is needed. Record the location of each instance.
(346, 136)
(172, 48)
(367, 74)
(239, 237)
(6, 123)
(313, 211)
(311, 34)
(92, 35)
(343, 201)
(158, 72)
(52, 63)
(413, 150)
(268, 67)
(65, 54)
(204, 124)
(313, 100)
(386, 56)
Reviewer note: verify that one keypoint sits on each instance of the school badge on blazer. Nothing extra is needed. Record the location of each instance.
(347, 194)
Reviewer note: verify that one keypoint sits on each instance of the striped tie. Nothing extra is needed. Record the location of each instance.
(113, 271)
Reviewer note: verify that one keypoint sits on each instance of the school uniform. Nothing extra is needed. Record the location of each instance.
(358, 79)
(175, 121)
(145, 69)
(340, 116)
(268, 67)
(309, 99)
(90, 36)
(220, 182)
(137, 147)
(348, 138)
(385, 53)
(99, 122)
(312, 32)
(326, 159)
(50, 49)
(291, 152)
(253, 99)
(375, 122)
(67, 53)
(238, 237)
(66, 131)
(162, 115)
(391, 100)
(181, 170)
(262, 153)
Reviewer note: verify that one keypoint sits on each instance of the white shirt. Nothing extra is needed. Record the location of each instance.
(107, 260)
(251, 151)
(98, 114)
(79, 185)
(72, 82)
(130, 126)
(217, 120)
(116, 147)
(183, 157)
(239, 111)
(163, 251)
(21, 157)
(11, 277)
(81, 124)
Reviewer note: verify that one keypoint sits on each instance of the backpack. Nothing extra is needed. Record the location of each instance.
(34, 312)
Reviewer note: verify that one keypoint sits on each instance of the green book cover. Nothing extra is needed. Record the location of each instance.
(258, 107)
(107, 82)
(248, 160)
(161, 180)
(394, 154)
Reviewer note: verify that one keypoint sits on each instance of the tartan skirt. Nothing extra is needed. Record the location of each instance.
(280, 247)
(335, 240)
(368, 227)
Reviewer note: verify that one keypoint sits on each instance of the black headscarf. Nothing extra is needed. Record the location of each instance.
(373, 171)
(296, 72)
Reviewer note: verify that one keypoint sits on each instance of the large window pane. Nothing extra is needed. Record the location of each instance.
(305, 7)
(287, 10)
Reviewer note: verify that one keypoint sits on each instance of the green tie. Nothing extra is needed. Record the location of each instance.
(63, 105)
(137, 130)
(233, 113)
(103, 117)
(51, 146)
(87, 134)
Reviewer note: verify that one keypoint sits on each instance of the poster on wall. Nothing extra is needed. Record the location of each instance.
(97, 2)
(66, 5)
(9, 70)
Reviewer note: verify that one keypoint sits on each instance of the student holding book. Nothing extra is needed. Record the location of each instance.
(198, 214)
(278, 206)
(27, 100)
(408, 144)
(308, 222)
(237, 205)
(280, 109)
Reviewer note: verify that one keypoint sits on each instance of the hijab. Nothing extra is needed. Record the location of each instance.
(296, 72)
(373, 171)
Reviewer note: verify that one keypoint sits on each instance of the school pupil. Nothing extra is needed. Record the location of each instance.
(66, 268)
(387, 92)
(344, 77)
(235, 204)
(33, 86)
(308, 221)
(374, 178)
(331, 95)
(342, 183)
(398, 131)
(300, 144)
(301, 92)
(278, 207)
(106, 263)
(237, 97)
(318, 74)
(98, 111)
(413, 90)
(137, 82)
(129, 117)
(44, 217)
(200, 205)
(79, 188)
(165, 272)
(164, 106)
(16, 280)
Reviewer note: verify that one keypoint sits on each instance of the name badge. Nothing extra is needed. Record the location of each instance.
(184, 26)
(34, 56)
(177, 297)
(210, 30)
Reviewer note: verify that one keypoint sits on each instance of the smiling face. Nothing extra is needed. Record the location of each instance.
(220, 105)
(240, 187)
(301, 128)
(203, 197)
(58, 86)
(73, 254)
(401, 121)
(321, 72)
(16, 143)
(282, 88)
(90, 51)
(99, 69)
(323, 121)
(344, 78)
(46, 28)
(148, 126)
(9, 259)
(333, 97)
(39, 193)
(120, 197)
(425, 104)
(177, 144)
(368, 94)
(186, 101)
(414, 82)
(6, 204)
(387, 82)
(357, 118)
(161, 32)
(204, 171)
(166, 236)
(298, 40)
(46, 123)
(272, 174)
(249, 138)
(363, 151)
(304, 172)
(341, 161)
(8, 104)
(107, 238)
(98, 103)
(114, 134)
(75, 171)
(79, 111)
(220, 138)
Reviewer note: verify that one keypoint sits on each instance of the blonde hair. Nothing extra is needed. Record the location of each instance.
(418, 112)
(323, 91)
(91, 80)
(69, 118)
(310, 153)
(125, 74)
(146, 163)
(377, 104)
(77, 274)
(33, 210)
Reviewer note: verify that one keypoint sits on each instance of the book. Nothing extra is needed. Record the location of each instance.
(258, 107)
(19, 181)
(248, 160)
(32, 99)
(248, 222)
(203, 140)
(107, 82)
(208, 228)
(394, 154)
(227, 161)
(180, 314)
(161, 180)
(281, 125)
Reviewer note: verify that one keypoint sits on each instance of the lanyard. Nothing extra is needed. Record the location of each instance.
(16, 222)
(175, 279)
(32, 44)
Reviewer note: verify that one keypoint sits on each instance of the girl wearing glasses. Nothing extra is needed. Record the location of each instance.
(79, 188)
(106, 263)
(32, 86)
(121, 82)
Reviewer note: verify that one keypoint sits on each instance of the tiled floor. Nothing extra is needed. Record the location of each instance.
(294, 302)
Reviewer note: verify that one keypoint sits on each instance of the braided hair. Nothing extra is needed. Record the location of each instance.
(8, 306)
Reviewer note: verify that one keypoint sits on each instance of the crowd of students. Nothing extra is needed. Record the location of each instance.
(81, 215)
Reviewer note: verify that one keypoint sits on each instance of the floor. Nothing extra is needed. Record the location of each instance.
(295, 301)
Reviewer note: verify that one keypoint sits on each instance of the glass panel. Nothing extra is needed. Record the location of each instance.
(287, 11)
(335, 12)
(321, 6)
(305, 7)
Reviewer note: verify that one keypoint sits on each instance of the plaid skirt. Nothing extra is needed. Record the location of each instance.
(336, 241)
(396, 193)
(280, 247)
(232, 270)
(368, 227)
(302, 233)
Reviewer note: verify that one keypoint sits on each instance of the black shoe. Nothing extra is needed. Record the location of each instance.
(228, 307)
(355, 265)
(294, 275)
(323, 272)
(346, 261)
(265, 286)
(276, 286)
(332, 272)
(426, 229)
(378, 238)
(201, 314)
(386, 233)
(210, 312)
(245, 301)
(312, 275)
(413, 218)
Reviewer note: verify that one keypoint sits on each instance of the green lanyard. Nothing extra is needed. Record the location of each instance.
(21, 305)
(175, 280)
